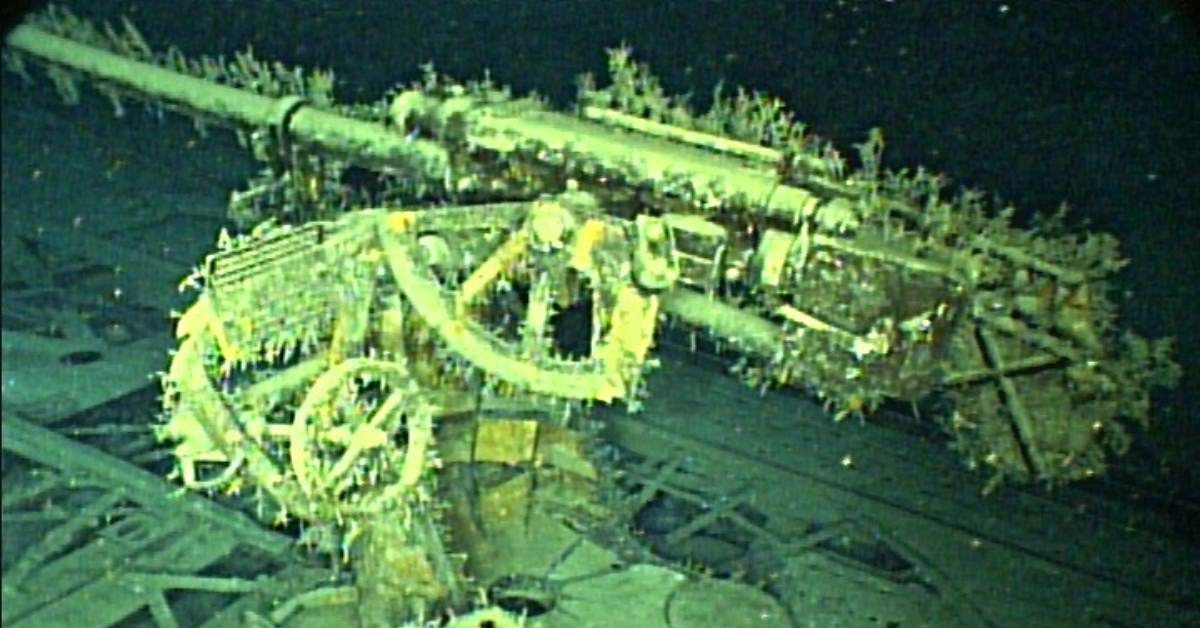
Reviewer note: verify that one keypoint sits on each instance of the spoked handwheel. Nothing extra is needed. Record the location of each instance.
(358, 441)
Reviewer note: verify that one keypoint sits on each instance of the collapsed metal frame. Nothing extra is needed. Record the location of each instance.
(133, 542)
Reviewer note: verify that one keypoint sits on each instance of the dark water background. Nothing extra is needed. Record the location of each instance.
(1089, 102)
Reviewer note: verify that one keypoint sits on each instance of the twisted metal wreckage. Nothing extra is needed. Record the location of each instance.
(382, 365)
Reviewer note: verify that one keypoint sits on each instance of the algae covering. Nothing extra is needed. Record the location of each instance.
(514, 263)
